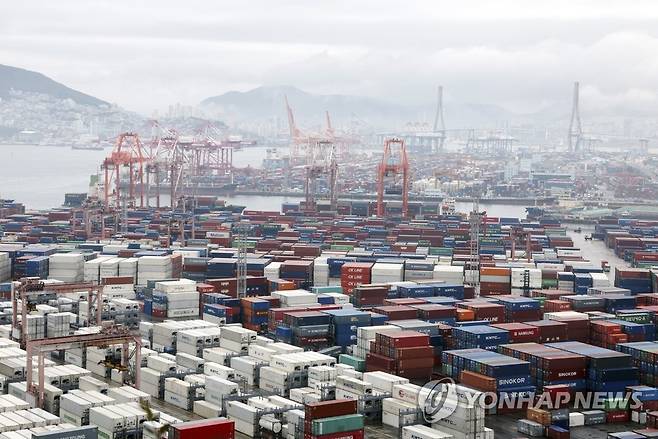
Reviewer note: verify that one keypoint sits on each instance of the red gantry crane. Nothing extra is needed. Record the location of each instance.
(128, 154)
(394, 164)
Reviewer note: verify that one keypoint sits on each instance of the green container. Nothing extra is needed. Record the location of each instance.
(329, 289)
(350, 360)
(337, 424)
(342, 248)
(549, 283)
(440, 251)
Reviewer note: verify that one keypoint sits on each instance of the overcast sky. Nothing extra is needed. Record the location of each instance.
(520, 54)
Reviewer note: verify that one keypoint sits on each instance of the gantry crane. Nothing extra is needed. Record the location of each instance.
(321, 161)
(528, 242)
(32, 285)
(161, 151)
(394, 164)
(128, 154)
(111, 335)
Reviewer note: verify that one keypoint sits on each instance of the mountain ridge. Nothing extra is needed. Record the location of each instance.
(16, 78)
(265, 102)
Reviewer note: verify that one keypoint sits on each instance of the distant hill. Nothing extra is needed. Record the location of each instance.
(29, 81)
(267, 103)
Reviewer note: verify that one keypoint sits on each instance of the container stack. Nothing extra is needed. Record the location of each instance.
(637, 280)
(367, 335)
(582, 283)
(418, 270)
(520, 332)
(488, 371)
(369, 295)
(524, 279)
(155, 268)
(58, 324)
(490, 312)
(404, 353)
(467, 419)
(520, 309)
(109, 268)
(128, 268)
(385, 272)
(254, 313)
(450, 274)
(34, 267)
(219, 427)
(310, 329)
(577, 324)
(344, 325)
(320, 271)
(298, 271)
(183, 393)
(566, 281)
(479, 336)
(92, 269)
(5, 267)
(436, 313)
(353, 274)
(550, 331)
(495, 281)
(645, 357)
(175, 299)
(607, 370)
(550, 366)
(327, 419)
(67, 267)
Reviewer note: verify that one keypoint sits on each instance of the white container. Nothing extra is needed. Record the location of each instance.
(423, 432)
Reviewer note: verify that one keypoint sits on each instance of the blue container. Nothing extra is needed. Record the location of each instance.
(378, 319)
(456, 291)
(214, 310)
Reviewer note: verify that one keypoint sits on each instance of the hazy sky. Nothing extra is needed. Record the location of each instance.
(520, 54)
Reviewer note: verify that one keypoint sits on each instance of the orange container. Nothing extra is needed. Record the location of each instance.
(495, 271)
(465, 315)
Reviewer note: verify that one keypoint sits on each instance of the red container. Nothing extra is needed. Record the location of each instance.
(207, 428)
(118, 280)
(413, 353)
(397, 312)
(550, 331)
(617, 417)
(520, 332)
(329, 409)
(403, 339)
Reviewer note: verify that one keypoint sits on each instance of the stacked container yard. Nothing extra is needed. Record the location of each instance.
(489, 371)
(67, 267)
(337, 418)
(637, 280)
(550, 366)
(404, 353)
(175, 299)
(298, 271)
(495, 281)
(386, 272)
(157, 268)
(479, 336)
(523, 279)
(449, 274)
(5, 267)
(354, 274)
(608, 371)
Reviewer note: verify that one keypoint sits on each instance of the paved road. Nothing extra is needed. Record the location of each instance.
(595, 250)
